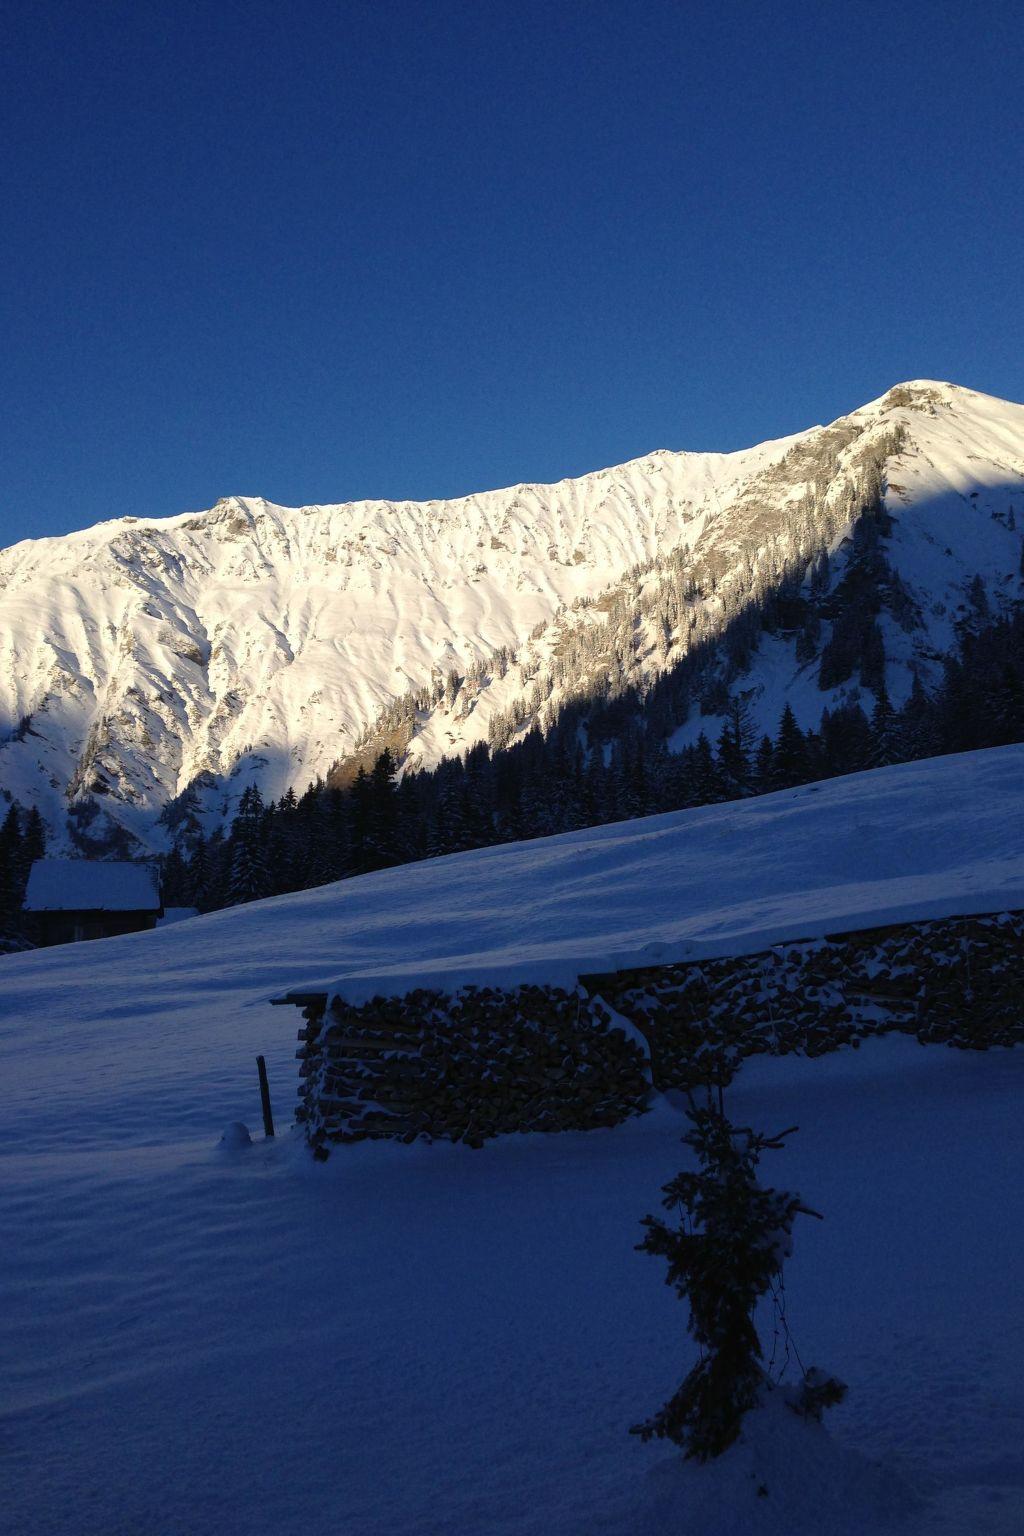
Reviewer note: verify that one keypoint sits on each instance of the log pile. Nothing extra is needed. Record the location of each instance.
(484, 1061)
(464, 1067)
(959, 981)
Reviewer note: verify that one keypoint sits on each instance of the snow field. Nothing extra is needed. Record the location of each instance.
(429, 1340)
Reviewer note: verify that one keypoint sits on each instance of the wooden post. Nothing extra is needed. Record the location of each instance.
(268, 1118)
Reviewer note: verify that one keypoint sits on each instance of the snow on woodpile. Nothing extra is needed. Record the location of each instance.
(86, 885)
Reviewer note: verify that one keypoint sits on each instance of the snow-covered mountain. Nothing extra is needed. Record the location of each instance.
(256, 642)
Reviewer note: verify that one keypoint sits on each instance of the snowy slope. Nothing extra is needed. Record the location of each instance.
(924, 839)
(260, 642)
(420, 1341)
(951, 469)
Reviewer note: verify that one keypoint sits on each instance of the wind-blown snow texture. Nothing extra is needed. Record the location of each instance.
(420, 1341)
(256, 642)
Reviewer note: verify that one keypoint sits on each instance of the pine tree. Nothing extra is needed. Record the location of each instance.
(884, 731)
(764, 765)
(789, 761)
(734, 748)
(174, 879)
(33, 842)
(915, 736)
(248, 879)
(722, 1258)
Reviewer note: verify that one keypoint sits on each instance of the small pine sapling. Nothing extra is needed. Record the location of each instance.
(722, 1259)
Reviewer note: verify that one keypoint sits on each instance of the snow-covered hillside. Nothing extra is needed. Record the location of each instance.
(139, 654)
(945, 464)
(917, 840)
(259, 642)
(420, 1341)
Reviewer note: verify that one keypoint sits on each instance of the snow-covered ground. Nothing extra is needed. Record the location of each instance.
(427, 1340)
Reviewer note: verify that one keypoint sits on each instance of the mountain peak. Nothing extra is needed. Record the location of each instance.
(252, 643)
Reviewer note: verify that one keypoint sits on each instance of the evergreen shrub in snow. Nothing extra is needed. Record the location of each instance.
(722, 1258)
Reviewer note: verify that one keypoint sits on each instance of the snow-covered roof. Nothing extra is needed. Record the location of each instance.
(86, 885)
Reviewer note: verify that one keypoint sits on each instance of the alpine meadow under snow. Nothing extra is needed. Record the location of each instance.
(144, 660)
(201, 1338)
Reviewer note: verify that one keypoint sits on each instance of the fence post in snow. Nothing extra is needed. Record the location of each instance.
(268, 1118)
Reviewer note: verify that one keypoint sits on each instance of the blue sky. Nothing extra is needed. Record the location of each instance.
(321, 251)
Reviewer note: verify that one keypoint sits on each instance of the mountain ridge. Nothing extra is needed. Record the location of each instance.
(254, 643)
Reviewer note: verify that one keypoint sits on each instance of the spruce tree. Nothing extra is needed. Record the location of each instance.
(1007, 704)
(249, 880)
(11, 844)
(197, 886)
(217, 866)
(915, 732)
(704, 775)
(789, 762)
(174, 879)
(764, 765)
(734, 748)
(884, 731)
(724, 1255)
(381, 847)
(33, 843)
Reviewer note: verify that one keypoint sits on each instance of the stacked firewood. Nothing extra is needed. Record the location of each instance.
(483, 1061)
(465, 1067)
(957, 980)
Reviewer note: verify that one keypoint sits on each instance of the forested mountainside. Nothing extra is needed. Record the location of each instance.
(550, 782)
(161, 677)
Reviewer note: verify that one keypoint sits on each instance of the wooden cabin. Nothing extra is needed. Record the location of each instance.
(71, 899)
